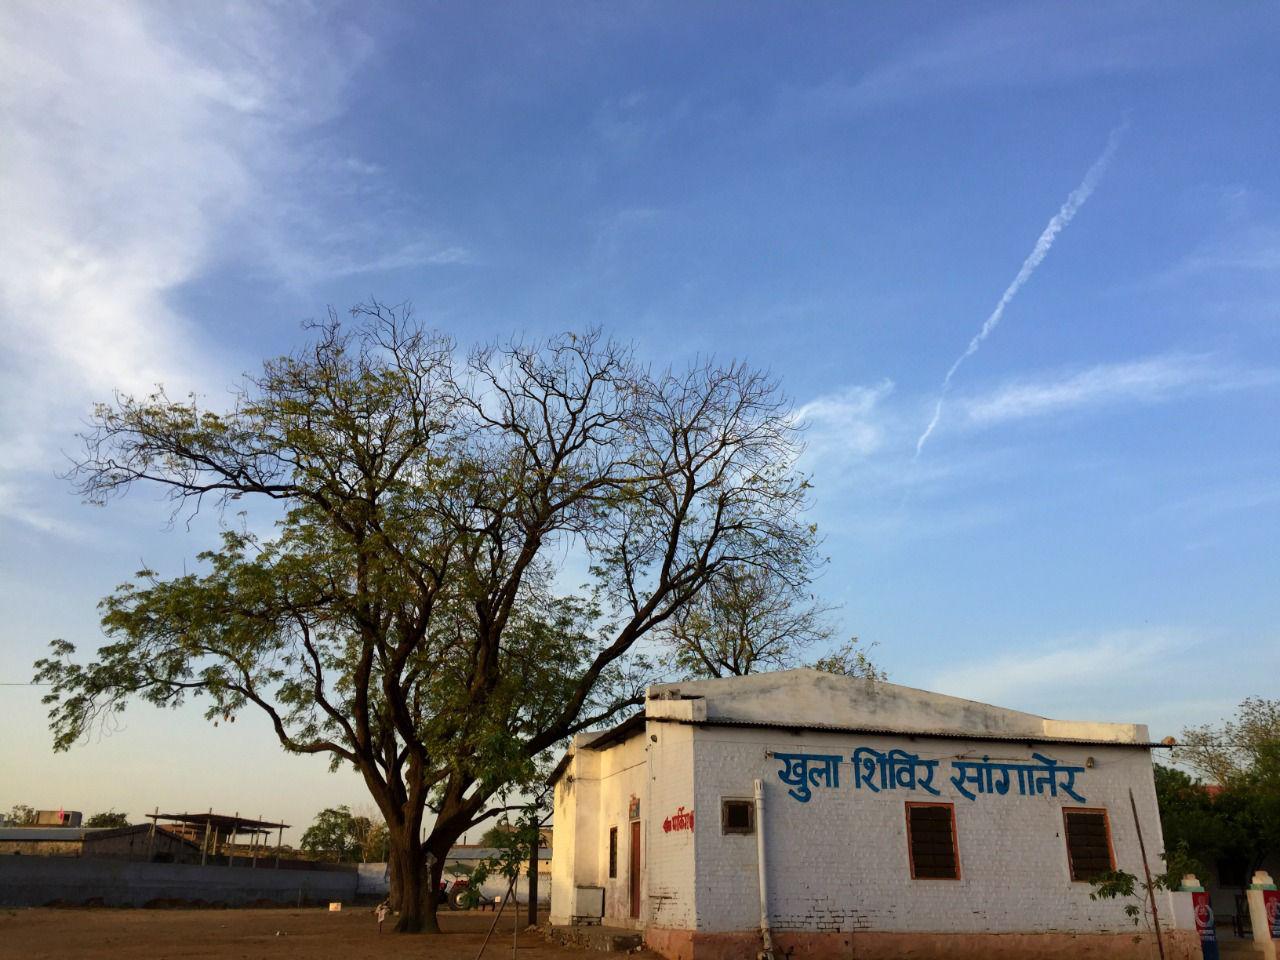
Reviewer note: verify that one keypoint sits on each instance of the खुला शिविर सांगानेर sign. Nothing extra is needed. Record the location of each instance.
(875, 770)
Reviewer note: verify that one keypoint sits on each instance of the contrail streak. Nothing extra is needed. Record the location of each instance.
(1075, 200)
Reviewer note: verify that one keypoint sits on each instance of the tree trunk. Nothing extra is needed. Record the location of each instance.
(408, 876)
(431, 900)
(532, 917)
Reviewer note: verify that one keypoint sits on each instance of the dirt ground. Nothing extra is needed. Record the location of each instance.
(306, 934)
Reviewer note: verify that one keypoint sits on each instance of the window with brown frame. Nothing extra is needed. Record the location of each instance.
(1088, 843)
(613, 853)
(737, 816)
(931, 841)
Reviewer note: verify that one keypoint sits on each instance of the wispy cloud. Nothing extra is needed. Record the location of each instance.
(1070, 207)
(143, 146)
(1138, 674)
(1252, 250)
(1150, 380)
(1069, 676)
(848, 424)
(1018, 47)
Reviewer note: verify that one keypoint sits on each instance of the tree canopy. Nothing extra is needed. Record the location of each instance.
(752, 619)
(408, 615)
(338, 834)
(1232, 821)
(108, 819)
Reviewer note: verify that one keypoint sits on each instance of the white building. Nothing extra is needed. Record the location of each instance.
(892, 821)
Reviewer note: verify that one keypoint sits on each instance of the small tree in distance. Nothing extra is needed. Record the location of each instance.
(339, 834)
(405, 619)
(21, 815)
(108, 819)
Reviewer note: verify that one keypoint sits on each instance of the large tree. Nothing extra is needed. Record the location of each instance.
(750, 619)
(406, 616)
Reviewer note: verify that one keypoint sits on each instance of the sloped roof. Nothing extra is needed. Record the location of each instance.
(815, 699)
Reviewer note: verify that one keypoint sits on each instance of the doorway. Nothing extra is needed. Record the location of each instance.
(634, 869)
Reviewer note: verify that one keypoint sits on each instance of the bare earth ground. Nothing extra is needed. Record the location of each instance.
(306, 934)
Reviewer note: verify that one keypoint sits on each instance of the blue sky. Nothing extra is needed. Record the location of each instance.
(841, 193)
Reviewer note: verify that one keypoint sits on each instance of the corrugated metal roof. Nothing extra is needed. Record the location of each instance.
(898, 732)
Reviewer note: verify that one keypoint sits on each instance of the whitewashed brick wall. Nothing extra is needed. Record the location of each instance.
(840, 862)
(670, 874)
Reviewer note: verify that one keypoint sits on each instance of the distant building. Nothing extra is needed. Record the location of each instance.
(42, 841)
(58, 818)
(140, 842)
(860, 818)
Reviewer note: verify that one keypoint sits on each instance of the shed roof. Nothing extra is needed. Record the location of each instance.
(222, 822)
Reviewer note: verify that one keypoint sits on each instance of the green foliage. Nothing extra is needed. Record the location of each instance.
(850, 660)
(406, 616)
(108, 819)
(1237, 821)
(1122, 885)
(340, 835)
(1237, 747)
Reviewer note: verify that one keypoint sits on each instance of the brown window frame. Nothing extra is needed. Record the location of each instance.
(1066, 837)
(613, 853)
(955, 839)
(727, 830)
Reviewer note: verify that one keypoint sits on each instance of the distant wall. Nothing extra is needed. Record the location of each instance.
(374, 882)
(37, 881)
(42, 848)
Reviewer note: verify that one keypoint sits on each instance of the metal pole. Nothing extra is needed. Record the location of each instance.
(231, 836)
(766, 935)
(496, 917)
(1151, 892)
(151, 836)
(279, 844)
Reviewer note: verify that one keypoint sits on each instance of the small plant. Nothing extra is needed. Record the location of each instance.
(1120, 884)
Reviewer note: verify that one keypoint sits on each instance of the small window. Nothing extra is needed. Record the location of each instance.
(1088, 843)
(931, 839)
(737, 816)
(613, 852)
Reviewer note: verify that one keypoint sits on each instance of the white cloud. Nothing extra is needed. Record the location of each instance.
(847, 423)
(142, 146)
(1150, 380)
(1149, 674)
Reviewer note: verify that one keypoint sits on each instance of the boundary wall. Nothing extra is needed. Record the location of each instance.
(44, 881)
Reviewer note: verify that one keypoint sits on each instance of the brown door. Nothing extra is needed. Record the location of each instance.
(635, 868)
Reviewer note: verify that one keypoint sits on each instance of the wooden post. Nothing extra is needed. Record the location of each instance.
(231, 836)
(279, 844)
(204, 846)
(151, 836)
(1151, 892)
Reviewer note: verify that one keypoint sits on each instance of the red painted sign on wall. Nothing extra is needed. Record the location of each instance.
(1204, 925)
(680, 820)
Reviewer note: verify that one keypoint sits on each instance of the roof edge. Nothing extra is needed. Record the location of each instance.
(929, 734)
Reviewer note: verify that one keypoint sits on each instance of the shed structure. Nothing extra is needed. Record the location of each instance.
(889, 822)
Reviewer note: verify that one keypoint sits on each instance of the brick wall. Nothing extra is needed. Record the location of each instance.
(670, 875)
(840, 861)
